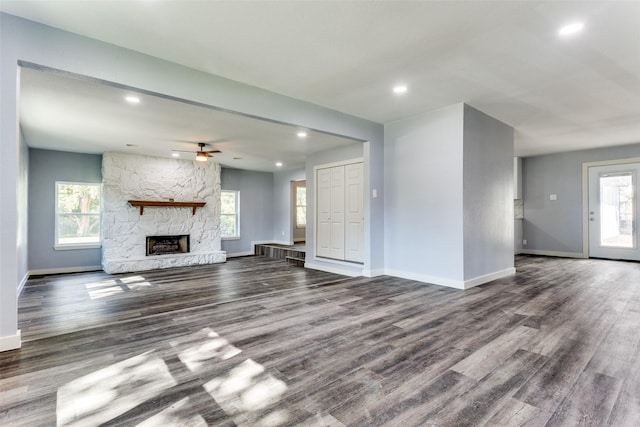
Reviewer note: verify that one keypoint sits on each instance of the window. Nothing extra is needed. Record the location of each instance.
(77, 215)
(230, 214)
(301, 206)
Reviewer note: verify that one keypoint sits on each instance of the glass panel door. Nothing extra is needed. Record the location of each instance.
(613, 204)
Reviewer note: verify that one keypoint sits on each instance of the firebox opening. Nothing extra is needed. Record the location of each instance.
(164, 245)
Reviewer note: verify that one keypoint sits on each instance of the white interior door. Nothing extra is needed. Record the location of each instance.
(323, 235)
(337, 212)
(613, 207)
(354, 228)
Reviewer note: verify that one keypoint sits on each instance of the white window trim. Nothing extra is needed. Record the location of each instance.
(298, 226)
(74, 246)
(237, 215)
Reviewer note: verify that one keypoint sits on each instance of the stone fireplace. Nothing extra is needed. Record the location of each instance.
(125, 228)
(167, 245)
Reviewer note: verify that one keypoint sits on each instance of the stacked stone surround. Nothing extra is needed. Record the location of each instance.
(124, 230)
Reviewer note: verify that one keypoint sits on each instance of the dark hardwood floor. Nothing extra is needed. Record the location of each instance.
(257, 341)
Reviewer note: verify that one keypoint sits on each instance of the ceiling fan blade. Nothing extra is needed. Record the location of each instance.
(212, 151)
(184, 151)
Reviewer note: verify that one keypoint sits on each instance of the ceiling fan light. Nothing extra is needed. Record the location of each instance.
(201, 157)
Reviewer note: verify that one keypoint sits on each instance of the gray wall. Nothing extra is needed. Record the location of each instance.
(282, 230)
(23, 209)
(449, 197)
(256, 207)
(33, 42)
(47, 167)
(488, 194)
(556, 226)
(423, 201)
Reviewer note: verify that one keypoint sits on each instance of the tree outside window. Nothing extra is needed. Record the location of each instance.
(230, 214)
(77, 214)
(301, 207)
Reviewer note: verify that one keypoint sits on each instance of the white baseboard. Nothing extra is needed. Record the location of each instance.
(452, 283)
(336, 269)
(553, 253)
(476, 281)
(441, 281)
(21, 284)
(238, 254)
(62, 270)
(373, 273)
(10, 342)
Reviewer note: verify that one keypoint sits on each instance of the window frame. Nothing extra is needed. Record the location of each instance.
(297, 225)
(72, 246)
(236, 215)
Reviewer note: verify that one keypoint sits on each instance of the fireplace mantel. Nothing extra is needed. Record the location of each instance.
(164, 204)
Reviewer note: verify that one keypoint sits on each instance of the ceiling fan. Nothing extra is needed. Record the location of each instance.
(202, 155)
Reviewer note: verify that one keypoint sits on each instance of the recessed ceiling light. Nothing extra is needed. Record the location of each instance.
(302, 134)
(400, 89)
(572, 28)
(132, 99)
(175, 154)
(279, 164)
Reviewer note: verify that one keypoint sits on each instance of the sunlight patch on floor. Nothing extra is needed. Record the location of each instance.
(207, 345)
(107, 393)
(246, 388)
(107, 288)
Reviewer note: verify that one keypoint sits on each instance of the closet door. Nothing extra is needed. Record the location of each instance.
(337, 212)
(323, 236)
(354, 228)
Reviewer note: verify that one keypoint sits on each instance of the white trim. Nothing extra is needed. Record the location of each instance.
(441, 281)
(77, 246)
(62, 270)
(236, 214)
(332, 269)
(89, 245)
(11, 342)
(373, 273)
(21, 284)
(238, 254)
(476, 281)
(553, 253)
(315, 194)
(352, 264)
(452, 283)
(338, 163)
(585, 196)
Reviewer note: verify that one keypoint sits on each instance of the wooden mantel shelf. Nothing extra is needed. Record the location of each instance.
(160, 203)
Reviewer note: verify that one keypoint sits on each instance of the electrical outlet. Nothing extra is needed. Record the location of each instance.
(524, 242)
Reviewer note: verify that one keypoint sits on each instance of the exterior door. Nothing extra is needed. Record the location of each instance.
(613, 207)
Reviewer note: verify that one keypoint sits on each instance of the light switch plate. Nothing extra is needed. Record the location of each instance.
(553, 197)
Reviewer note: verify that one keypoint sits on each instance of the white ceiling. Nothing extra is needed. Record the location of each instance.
(60, 111)
(502, 57)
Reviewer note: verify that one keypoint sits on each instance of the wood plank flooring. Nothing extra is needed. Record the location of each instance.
(256, 341)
